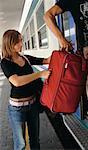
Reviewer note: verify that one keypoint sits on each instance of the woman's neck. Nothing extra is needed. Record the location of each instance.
(15, 56)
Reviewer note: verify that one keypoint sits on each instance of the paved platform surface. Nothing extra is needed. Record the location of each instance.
(48, 137)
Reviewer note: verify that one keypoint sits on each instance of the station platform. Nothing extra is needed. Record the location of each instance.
(48, 138)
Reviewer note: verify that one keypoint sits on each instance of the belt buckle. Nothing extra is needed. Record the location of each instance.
(31, 102)
(25, 103)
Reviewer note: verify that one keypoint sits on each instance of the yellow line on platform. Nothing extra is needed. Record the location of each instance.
(27, 141)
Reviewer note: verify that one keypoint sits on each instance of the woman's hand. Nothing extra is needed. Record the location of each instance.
(47, 60)
(45, 74)
(25, 79)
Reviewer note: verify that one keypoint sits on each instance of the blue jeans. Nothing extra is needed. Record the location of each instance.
(18, 116)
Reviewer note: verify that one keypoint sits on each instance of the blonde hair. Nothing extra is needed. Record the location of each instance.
(9, 40)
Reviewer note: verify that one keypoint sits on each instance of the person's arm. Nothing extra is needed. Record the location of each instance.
(9, 70)
(46, 60)
(50, 20)
(38, 61)
(85, 52)
(25, 79)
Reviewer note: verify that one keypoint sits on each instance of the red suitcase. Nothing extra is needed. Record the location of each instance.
(62, 91)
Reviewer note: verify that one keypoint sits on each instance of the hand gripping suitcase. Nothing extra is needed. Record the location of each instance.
(62, 91)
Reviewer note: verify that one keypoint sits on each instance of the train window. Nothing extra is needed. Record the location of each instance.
(42, 36)
(33, 41)
(32, 26)
(25, 45)
(27, 36)
(28, 43)
(66, 24)
(32, 34)
(39, 15)
(42, 33)
(69, 28)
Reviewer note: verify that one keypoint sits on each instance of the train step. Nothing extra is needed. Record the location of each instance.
(78, 130)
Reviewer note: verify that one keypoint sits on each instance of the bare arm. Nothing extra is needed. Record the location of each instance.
(50, 20)
(25, 79)
(46, 60)
(85, 52)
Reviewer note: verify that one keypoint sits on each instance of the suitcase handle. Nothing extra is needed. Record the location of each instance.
(71, 51)
(80, 54)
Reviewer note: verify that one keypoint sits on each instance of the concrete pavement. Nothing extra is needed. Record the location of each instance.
(6, 142)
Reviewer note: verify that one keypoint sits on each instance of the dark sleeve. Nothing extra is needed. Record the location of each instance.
(35, 60)
(7, 67)
(64, 4)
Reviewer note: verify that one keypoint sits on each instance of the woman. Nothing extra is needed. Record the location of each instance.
(22, 103)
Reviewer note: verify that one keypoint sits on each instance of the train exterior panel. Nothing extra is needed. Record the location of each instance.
(38, 40)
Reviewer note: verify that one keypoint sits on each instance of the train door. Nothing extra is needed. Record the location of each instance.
(67, 25)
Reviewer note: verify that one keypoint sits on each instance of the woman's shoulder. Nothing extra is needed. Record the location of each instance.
(6, 62)
(7, 67)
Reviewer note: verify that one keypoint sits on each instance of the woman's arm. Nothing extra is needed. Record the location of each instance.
(25, 79)
(46, 60)
(37, 60)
